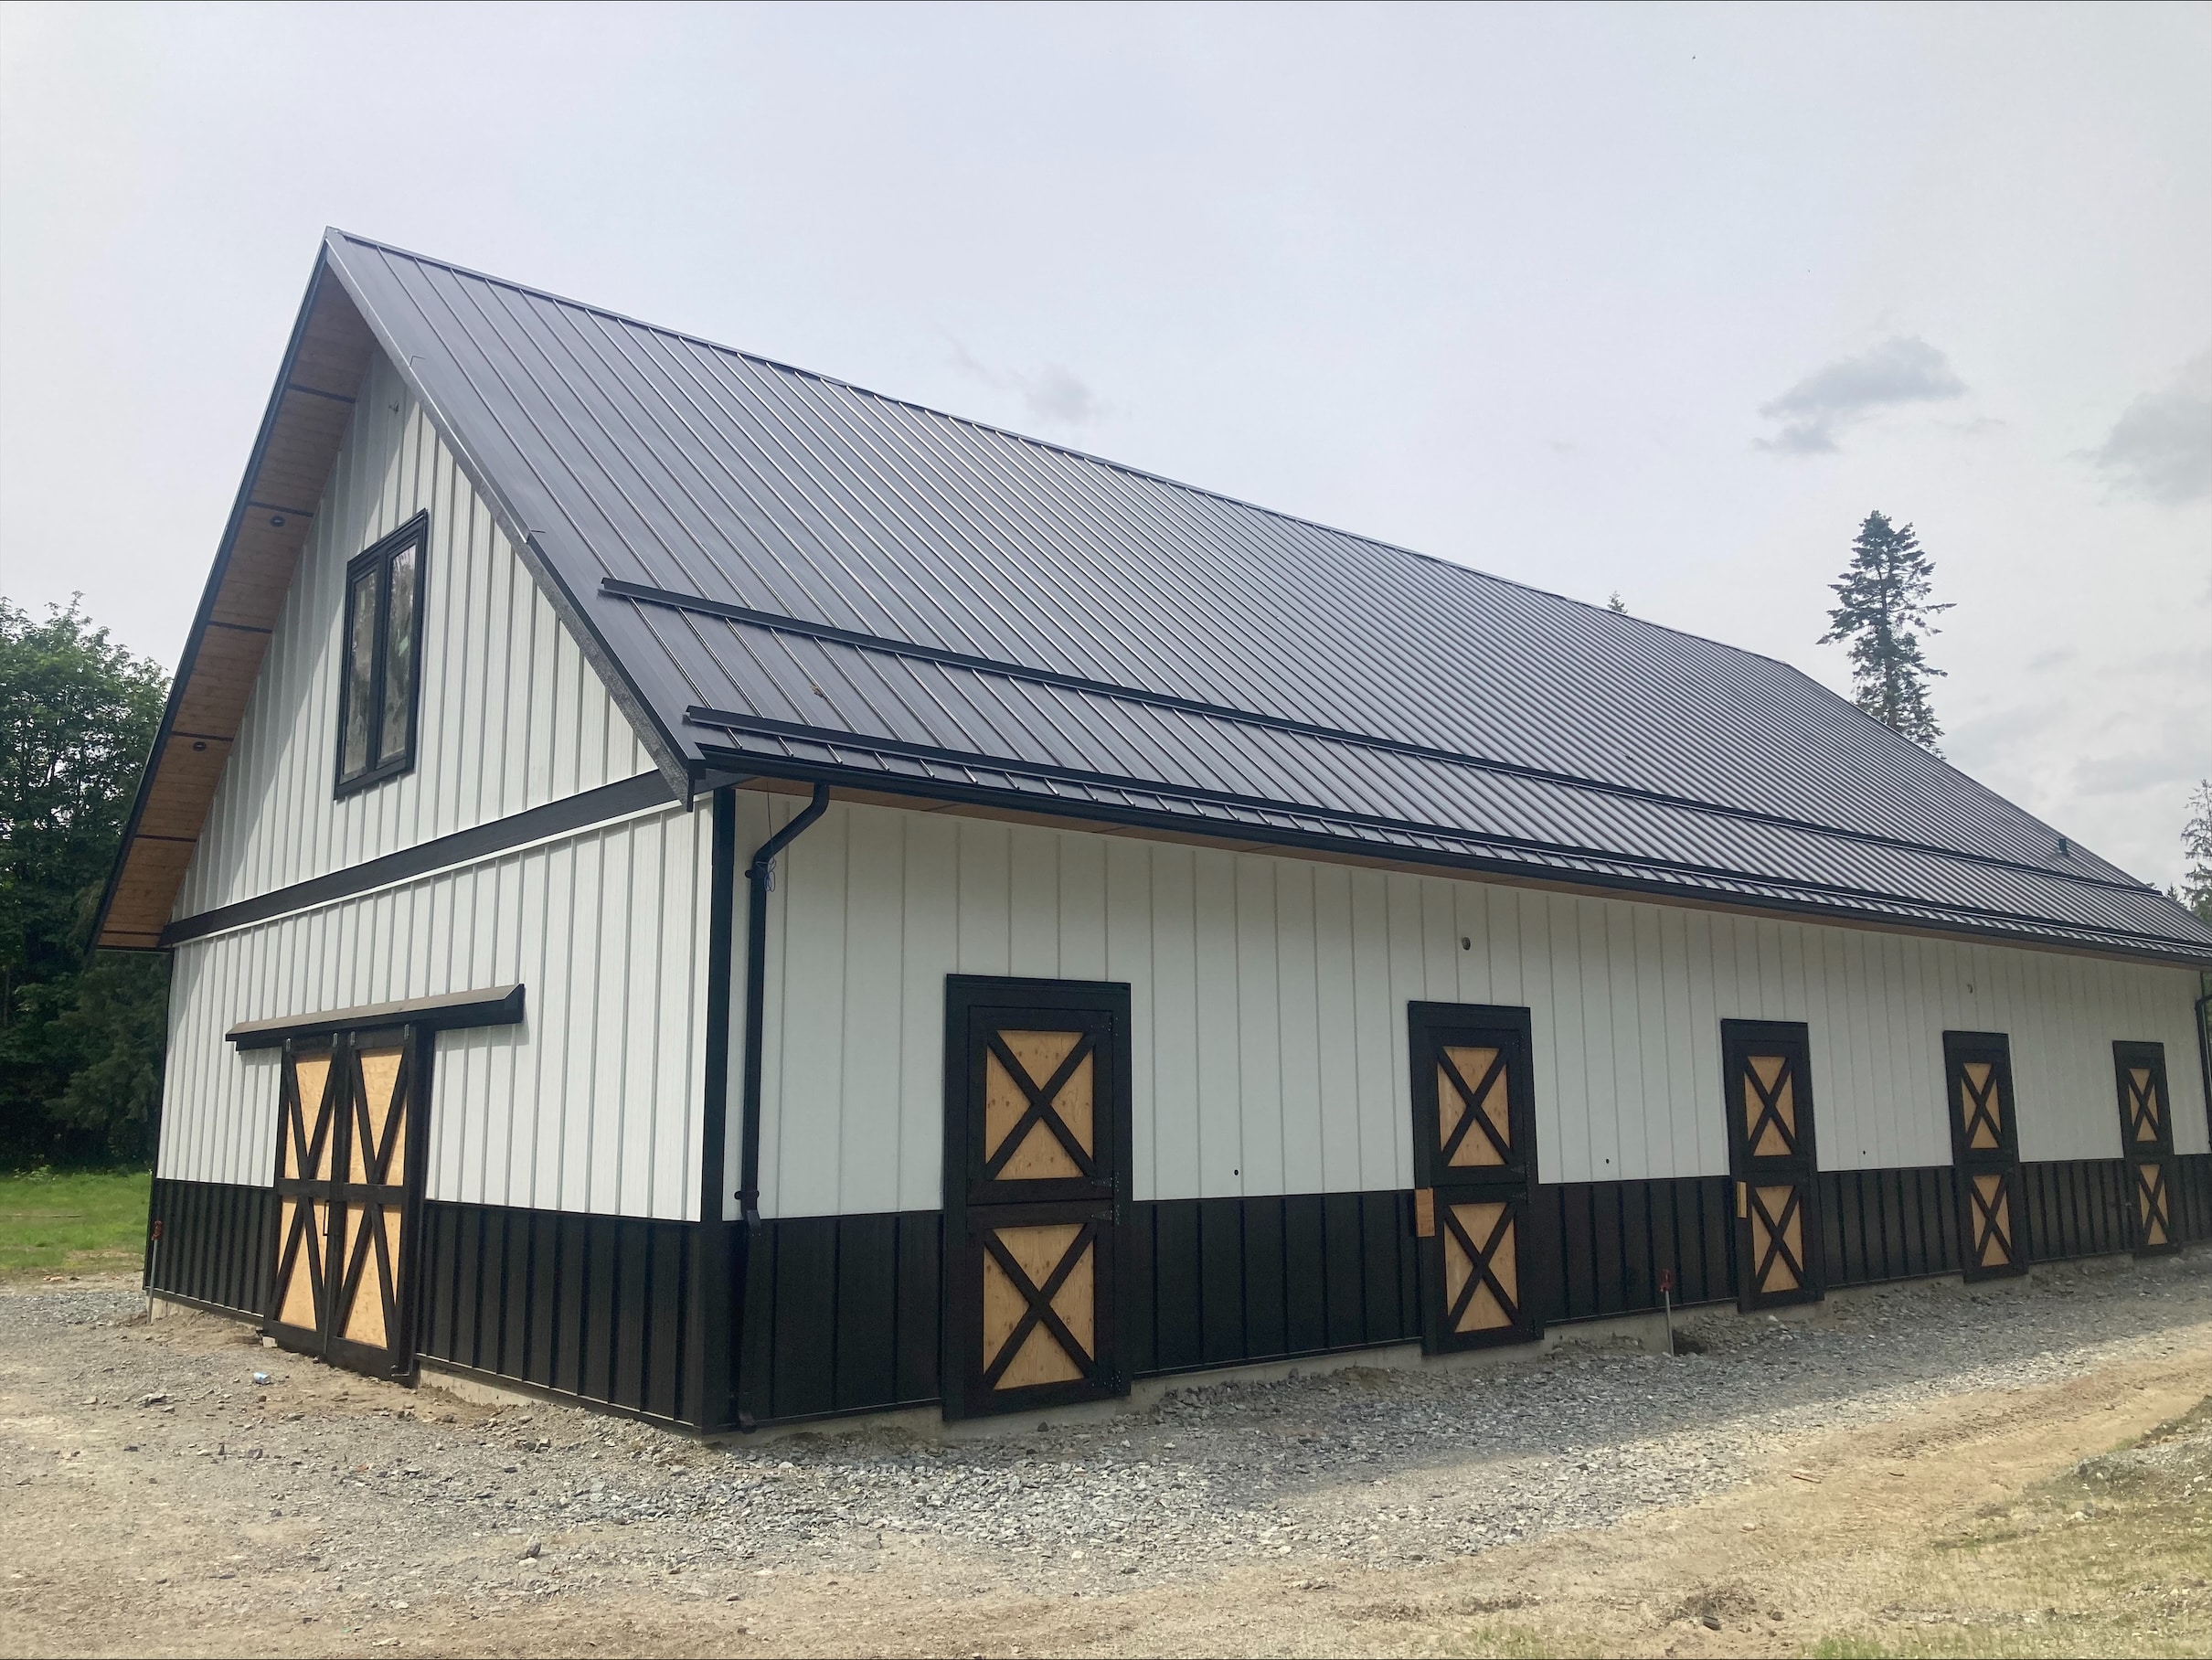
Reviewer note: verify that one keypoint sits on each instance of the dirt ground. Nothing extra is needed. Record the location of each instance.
(2004, 1521)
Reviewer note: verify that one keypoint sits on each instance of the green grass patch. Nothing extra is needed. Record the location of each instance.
(2113, 1556)
(83, 1221)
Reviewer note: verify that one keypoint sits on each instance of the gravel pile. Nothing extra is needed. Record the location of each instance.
(1370, 1466)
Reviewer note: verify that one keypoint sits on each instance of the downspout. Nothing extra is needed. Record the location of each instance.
(758, 875)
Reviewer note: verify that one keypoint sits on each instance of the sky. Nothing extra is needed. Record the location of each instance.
(1652, 300)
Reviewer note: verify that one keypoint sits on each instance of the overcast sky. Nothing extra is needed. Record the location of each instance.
(1661, 300)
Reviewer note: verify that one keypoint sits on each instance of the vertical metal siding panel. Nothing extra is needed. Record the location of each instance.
(1704, 1037)
(1471, 964)
(1377, 1030)
(1129, 957)
(1409, 981)
(1652, 1142)
(1336, 1029)
(1174, 1006)
(1532, 918)
(643, 898)
(1677, 1035)
(1221, 1126)
(1298, 1006)
(1620, 1105)
(1570, 1028)
(1083, 905)
(1601, 1089)
(1033, 881)
(1258, 943)
(868, 1118)
(985, 877)
(811, 893)
(928, 943)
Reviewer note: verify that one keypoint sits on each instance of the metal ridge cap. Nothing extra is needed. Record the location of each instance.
(830, 739)
(641, 594)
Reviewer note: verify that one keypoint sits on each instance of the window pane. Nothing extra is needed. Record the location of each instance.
(361, 669)
(400, 657)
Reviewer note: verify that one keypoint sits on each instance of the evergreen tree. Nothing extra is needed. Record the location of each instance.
(80, 1032)
(2196, 845)
(1882, 609)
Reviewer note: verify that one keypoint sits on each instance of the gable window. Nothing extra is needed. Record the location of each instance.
(380, 686)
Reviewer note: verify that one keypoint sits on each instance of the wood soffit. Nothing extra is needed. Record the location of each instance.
(307, 420)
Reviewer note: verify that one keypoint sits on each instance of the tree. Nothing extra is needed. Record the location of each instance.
(80, 1033)
(1615, 604)
(1882, 607)
(2196, 846)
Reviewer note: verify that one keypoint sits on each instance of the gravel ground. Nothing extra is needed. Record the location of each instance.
(1367, 1468)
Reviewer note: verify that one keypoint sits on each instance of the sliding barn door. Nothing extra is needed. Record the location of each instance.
(1767, 1070)
(1035, 1160)
(307, 1132)
(2146, 1134)
(1985, 1153)
(1474, 1160)
(349, 1165)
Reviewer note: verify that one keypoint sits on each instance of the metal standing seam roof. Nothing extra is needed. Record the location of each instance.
(790, 574)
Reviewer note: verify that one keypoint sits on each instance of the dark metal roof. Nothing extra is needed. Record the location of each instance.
(790, 574)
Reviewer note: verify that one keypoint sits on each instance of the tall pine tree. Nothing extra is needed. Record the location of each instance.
(1882, 610)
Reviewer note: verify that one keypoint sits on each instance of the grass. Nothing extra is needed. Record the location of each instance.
(2114, 1557)
(85, 1221)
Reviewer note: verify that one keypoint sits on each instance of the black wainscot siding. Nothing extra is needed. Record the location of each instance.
(585, 1305)
(216, 1246)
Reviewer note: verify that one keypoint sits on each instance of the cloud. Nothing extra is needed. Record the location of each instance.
(1900, 370)
(1054, 396)
(2160, 450)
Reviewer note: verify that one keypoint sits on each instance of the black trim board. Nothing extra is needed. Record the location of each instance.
(452, 1011)
(463, 847)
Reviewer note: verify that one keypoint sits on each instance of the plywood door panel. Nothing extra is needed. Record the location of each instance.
(1985, 1153)
(2146, 1135)
(1037, 1147)
(1473, 1122)
(1768, 1099)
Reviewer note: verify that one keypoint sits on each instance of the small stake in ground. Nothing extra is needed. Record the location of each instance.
(1666, 1292)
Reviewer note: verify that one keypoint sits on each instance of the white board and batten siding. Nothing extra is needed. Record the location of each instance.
(1269, 1012)
(592, 1103)
(511, 714)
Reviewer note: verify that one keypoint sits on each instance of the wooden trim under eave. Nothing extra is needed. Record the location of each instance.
(301, 434)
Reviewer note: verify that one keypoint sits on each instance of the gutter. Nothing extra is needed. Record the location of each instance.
(759, 877)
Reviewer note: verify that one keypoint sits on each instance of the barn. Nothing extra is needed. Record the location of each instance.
(705, 890)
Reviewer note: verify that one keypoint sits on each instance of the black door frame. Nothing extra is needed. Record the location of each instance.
(1438, 1185)
(1969, 1162)
(1738, 1040)
(973, 1204)
(398, 1360)
(2157, 1151)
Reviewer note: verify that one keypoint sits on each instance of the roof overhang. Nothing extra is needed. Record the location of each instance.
(309, 411)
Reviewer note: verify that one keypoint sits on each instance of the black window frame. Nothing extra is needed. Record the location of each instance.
(381, 556)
